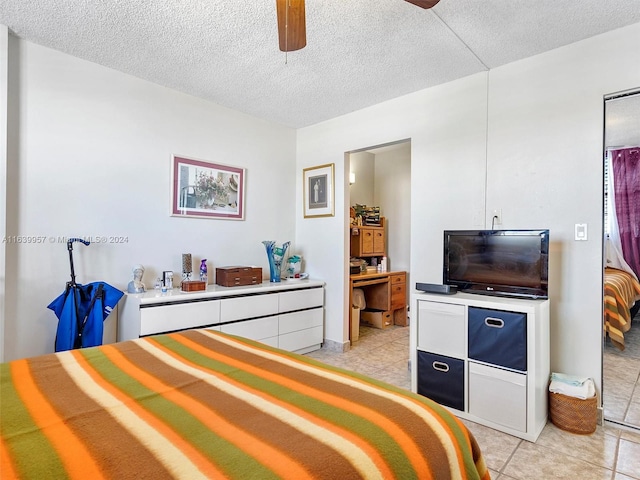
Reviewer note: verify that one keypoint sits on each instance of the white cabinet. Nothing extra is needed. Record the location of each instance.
(264, 330)
(178, 317)
(248, 307)
(287, 315)
(299, 329)
(485, 358)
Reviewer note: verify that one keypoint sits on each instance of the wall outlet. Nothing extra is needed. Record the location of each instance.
(496, 217)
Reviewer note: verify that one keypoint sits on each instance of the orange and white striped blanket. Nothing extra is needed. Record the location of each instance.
(621, 291)
(200, 404)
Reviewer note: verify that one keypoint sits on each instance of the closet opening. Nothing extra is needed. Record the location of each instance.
(621, 259)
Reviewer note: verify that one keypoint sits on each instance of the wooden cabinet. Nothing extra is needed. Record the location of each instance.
(288, 315)
(486, 358)
(398, 285)
(368, 242)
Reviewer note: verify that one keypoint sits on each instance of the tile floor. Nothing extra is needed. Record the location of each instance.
(608, 454)
(621, 378)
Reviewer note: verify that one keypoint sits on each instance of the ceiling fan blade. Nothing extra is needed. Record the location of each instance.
(292, 30)
(424, 3)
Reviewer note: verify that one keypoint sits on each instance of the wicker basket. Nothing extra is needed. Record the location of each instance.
(573, 414)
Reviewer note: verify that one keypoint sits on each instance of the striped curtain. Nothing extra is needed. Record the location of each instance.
(626, 172)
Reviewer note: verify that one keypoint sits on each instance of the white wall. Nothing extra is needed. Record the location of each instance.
(362, 164)
(393, 194)
(526, 138)
(92, 152)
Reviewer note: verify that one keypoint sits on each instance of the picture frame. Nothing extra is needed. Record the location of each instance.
(318, 193)
(204, 189)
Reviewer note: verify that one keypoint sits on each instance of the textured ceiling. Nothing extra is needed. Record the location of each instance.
(359, 52)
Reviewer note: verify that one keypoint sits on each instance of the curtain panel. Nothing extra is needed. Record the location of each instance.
(626, 172)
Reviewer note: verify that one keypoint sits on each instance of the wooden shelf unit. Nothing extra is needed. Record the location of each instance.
(368, 241)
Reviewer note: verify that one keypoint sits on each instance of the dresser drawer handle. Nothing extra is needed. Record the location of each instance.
(494, 322)
(440, 366)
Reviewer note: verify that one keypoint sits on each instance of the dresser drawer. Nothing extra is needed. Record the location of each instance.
(292, 322)
(167, 318)
(301, 339)
(248, 307)
(300, 299)
(398, 278)
(398, 295)
(258, 329)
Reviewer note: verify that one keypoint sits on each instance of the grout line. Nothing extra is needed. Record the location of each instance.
(501, 471)
(615, 459)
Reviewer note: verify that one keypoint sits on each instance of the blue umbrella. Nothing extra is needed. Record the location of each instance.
(82, 309)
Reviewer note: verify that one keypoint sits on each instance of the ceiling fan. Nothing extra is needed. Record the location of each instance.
(292, 30)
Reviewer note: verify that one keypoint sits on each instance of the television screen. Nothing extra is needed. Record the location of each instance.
(497, 262)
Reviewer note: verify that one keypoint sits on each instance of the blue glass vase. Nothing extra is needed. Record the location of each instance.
(275, 255)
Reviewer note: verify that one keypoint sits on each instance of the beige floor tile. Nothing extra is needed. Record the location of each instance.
(597, 448)
(633, 414)
(620, 476)
(536, 461)
(629, 459)
(631, 435)
(615, 407)
(496, 447)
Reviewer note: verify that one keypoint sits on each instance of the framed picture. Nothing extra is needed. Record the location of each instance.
(318, 191)
(206, 190)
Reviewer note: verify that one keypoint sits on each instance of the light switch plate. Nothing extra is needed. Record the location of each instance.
(581, 231)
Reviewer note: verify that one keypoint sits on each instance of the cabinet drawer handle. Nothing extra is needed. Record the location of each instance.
(494, 322)
(440, 366)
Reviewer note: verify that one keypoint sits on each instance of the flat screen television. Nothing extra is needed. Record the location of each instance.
(498, 262)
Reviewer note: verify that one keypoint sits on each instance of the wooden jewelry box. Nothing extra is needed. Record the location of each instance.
(236, 276)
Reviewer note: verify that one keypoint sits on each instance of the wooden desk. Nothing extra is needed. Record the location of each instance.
(383, 291)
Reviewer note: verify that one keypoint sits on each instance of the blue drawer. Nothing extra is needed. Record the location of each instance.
(498, 337)
(441, 379)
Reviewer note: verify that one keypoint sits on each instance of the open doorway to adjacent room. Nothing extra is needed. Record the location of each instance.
(379, 236)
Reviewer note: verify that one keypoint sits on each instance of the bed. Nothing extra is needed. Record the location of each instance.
(201, 404)
(621, 291)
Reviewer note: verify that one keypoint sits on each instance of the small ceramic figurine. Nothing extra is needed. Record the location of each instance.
(136, 285)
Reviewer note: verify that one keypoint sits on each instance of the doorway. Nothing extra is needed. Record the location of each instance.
(621, 350)
(380, 176)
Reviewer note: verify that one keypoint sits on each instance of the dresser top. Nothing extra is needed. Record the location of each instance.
(217, 291)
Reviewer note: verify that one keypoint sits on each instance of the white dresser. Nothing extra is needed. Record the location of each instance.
(485, 358)
(287, 315)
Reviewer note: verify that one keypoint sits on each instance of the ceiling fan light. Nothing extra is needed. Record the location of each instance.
(292, 30)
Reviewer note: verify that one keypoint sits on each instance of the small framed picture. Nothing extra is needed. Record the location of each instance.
(318, 191)
(206, 190)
